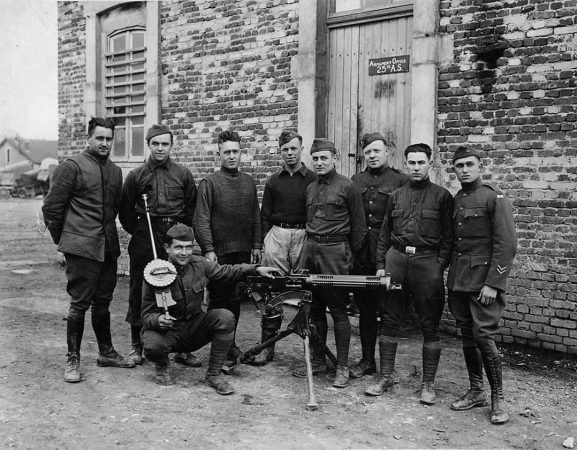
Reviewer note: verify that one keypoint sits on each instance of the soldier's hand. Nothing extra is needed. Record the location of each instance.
(256, 256)
(211, 256)
(164, 323)
(381, 273)
(269, 272)
(487, 295)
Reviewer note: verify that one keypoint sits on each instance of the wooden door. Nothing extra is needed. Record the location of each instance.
(362, 100)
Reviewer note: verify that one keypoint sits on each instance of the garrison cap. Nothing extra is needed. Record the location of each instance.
(321, 145)
(287, 136)
(181, 232)
(156, 130)
(464, 152)
(369, 138)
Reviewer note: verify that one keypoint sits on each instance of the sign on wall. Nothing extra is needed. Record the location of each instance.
(389, 64)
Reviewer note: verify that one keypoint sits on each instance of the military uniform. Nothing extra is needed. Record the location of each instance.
(336, 229)
(376, 185)
(485, 245)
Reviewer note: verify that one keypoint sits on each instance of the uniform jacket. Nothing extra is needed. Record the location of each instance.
(485, 239)
(335, 207)
(188, 290)
(376, 186)
(170, 189)
(419, 214)
(81, 207)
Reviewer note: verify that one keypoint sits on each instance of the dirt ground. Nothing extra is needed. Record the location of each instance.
(124, 408)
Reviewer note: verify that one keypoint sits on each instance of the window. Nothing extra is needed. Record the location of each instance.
(7, 156)
(124, 91)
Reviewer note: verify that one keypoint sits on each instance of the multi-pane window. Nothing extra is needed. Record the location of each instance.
(124, 87)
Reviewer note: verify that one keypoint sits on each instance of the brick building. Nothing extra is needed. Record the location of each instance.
(496, 75)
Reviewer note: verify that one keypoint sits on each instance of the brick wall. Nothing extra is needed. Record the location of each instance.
(511, 92)
(228, 64)
(71, 78)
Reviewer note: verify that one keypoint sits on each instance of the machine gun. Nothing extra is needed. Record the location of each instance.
(268, 294)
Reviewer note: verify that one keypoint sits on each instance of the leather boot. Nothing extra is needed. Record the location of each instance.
(107, 356)
(269, 329)
(431, 357)
(74, 332)
(341, 377)
(136, 352)
(475, 395)
(162, 373)
(494, 372)
(387, 354)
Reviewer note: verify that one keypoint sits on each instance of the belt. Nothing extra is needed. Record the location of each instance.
(161, 219)
(328, 239)
(291, 226)
(410, 250)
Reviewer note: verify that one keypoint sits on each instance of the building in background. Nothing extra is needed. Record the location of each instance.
(499, 76)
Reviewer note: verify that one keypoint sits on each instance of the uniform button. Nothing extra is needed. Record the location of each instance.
(370, 215)
(464, 195)
(160, 194)
(460, 254)
(370, 228)
(461, 208)
(460, 223)
(372, 188)
(460, 239)
(370, 202)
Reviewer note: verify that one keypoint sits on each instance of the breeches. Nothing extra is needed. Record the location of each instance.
(186, 336)
(90, 284)
(421, 277)
(476, 321)
(283, 248)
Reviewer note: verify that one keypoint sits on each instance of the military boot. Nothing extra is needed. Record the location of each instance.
(74, 332)
(136, 352)
(188, 359)
(387, 354)
(162, 373)
(318, 360)
(269, 329)
(494, 372)
(107, 356)
(475, 395)
(431, 356)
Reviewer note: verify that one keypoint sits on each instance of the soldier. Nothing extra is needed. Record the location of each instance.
(376, 184)
(415, 248)
(336, 230)
(80, 214)
(283, 217)
(485, 245)
(186, 327)
(227, 223)
(171, 198)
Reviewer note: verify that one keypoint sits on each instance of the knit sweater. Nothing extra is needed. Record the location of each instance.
(227, 215)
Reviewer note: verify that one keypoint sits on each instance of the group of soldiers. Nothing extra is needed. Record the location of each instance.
(379, 222)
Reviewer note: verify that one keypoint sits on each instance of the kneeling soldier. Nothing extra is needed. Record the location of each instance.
(189, 327)
(485, 245)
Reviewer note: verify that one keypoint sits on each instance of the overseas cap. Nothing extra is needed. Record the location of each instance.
(369, 138)
(321, 144)
(155, 130)
(287, 136)
(181, 232)
(464, 152)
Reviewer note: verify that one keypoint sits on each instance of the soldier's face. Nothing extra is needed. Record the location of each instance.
(229, 153)
(418, 164)
(467, 169)
(323, 162)
(179, 252)
(100, 143)
(376, 154)
(291, 152)
(160, 147)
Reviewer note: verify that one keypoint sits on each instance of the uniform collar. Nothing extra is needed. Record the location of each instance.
(378, 171)
(154, 165)
(421, 184)
(326, 179)
(302, 170)
(467, 187)
(95, 158)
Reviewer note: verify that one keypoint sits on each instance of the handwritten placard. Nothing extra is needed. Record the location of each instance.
(389, 64)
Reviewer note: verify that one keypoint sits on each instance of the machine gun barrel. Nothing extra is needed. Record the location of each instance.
(302, 280)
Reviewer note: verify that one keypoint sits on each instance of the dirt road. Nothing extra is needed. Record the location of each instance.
(123, 408)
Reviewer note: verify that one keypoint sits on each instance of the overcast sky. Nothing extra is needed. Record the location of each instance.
(28, 79)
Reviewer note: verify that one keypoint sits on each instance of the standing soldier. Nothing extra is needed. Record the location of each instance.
(283, 216)
(171, 196)
(336, 230)
(376, 184)
(80, 214)
(415, 248)
(485, 245)
(227, 223)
